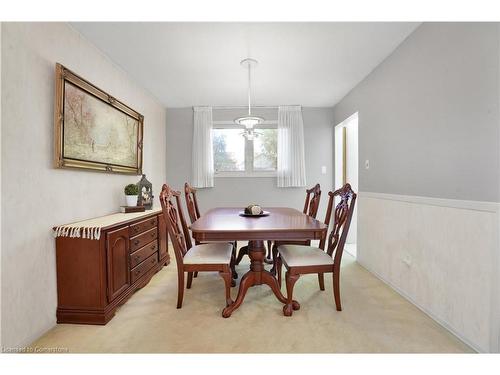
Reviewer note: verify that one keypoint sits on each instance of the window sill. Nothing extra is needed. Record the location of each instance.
(245, 174)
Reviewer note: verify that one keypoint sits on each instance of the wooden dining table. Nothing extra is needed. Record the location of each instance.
(282, 223)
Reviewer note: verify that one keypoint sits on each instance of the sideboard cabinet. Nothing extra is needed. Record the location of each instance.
(96, 276)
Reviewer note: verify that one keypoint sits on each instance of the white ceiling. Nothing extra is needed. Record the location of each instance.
(186, 64)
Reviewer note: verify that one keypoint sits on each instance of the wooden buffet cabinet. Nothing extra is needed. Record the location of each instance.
(95, 277)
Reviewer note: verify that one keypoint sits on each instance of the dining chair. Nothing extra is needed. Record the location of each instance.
(311, 206)
(197, 258)
(191, 203)
(300, 259)
(194, 214)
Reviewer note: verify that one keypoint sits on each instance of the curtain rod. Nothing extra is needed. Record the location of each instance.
(244, 106)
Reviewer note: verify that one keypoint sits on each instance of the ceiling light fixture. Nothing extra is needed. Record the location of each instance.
(249, 121)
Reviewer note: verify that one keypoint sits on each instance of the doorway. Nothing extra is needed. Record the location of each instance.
(346, 169)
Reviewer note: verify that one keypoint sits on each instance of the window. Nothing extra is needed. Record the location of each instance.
(235, 156)
(229, 150)
(265, 149)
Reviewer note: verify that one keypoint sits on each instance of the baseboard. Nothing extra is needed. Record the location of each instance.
(424, 310)
(28, 342)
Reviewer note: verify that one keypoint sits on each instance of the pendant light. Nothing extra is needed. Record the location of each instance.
(249, 121)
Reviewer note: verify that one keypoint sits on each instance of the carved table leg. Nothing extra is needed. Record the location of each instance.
(256, 276)
(270, 280)
(245, 283)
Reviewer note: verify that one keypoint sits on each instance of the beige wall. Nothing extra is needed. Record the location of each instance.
(34, 195)
(438, 253)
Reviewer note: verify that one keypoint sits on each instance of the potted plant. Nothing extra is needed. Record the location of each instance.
(131, 193)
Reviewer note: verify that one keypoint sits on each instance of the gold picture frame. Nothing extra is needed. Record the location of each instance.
(93, 130)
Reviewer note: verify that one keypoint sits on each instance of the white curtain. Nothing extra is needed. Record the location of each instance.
(291, 158)
(203, 160)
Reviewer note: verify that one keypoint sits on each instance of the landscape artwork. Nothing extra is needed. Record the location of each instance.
(93, 129)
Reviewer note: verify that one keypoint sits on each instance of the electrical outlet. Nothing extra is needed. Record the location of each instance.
(407, 260)
(367, 164)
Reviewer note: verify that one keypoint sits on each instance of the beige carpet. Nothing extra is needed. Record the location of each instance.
(374, 319)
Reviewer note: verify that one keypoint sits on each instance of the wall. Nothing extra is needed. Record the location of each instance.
(433, 105)
(35, 196)
(496, 259)
(0, 184)
(232, 191)
(429, 124)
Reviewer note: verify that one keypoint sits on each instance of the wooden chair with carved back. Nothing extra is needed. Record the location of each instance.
(194, 214)
(191, 203)
(198, 258)
(300, 259)
(311, 206)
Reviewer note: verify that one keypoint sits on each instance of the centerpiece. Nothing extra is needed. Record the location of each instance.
(254, 210)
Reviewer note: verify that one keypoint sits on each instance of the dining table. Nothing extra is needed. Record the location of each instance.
(277, 224)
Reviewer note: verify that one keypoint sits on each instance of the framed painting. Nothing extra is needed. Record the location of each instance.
(93, 130)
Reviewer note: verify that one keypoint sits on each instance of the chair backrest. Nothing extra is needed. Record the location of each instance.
(181, 239)
(191, 203)
(312, 204)
(341, 221)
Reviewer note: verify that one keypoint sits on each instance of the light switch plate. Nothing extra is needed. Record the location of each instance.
(367, 164)
(323, 169)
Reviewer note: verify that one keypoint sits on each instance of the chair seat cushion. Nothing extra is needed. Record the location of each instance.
(210, 253)
(300, 256)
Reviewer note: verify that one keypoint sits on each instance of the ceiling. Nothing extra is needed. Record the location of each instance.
(186, 64)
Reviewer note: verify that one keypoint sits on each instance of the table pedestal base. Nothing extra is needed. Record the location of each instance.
(256, 276)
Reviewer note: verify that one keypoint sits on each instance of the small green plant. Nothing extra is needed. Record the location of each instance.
(131, 189)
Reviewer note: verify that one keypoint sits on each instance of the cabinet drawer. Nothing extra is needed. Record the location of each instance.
(138, 256)
(142, 226)
(143, 239)
(143, 268)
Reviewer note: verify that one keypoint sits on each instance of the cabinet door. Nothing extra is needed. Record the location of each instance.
(117, 247)
(162, 237)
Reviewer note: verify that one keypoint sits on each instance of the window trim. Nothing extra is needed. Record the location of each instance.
(273, 124)
(239, 174)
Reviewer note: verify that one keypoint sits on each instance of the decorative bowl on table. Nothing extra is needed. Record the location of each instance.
(254, 210)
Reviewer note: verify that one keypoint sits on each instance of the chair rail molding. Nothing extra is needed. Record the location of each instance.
(432, 201)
